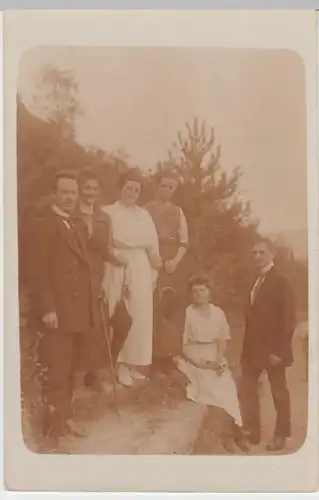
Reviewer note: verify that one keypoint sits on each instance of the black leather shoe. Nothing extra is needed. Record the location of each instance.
(74, 430)
(277, 444)
(253, 439)
(48, 445)
(242, 443)
(240, 438)
(229, 444)
(92, 382)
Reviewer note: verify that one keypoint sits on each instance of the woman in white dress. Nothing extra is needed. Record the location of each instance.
(203, 359)
(135, 242)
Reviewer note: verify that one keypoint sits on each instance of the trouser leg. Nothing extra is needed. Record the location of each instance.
(250, 400)
(281, 397)
(55, 354)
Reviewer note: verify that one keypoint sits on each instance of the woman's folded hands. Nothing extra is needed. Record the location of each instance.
(218, 366)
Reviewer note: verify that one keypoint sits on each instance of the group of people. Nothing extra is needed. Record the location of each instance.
(82, 255)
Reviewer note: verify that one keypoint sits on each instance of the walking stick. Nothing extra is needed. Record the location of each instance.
(108, 341)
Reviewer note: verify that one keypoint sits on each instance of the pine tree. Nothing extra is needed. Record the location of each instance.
(221, 230)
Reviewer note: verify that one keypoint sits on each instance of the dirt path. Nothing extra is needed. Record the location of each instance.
(158, 420)
(154, 418)
(168, 431)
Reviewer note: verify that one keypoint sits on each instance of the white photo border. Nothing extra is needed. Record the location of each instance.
(292, 30)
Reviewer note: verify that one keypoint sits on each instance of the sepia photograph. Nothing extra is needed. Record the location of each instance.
(162, 241)
(163, 250)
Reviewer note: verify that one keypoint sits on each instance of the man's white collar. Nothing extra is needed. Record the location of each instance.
(60, 212)
(267, 268)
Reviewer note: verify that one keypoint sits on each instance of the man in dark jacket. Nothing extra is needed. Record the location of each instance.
(60, 286)
(270, 323)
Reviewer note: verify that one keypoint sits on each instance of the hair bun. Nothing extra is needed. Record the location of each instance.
(132, 174)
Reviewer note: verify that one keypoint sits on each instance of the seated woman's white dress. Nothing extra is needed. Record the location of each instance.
(199, 343)
(135, 237)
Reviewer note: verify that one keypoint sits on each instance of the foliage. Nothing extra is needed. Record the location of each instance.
(46, 143)
(56, 99)
(219, 220)
(220, 226)
(296, 270)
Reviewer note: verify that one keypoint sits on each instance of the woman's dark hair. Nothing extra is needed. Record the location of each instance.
(63, 174)
(89, 174)
(133, 174)
(167, 174)
(200, 279)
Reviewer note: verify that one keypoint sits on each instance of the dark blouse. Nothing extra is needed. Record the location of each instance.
(95, 232)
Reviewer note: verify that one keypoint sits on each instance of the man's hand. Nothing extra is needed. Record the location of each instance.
(170, 266)
(274, 360)
(50, 320)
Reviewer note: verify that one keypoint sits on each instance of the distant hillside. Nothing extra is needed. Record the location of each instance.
(297, 240)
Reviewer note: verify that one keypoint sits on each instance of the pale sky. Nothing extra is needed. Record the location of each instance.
(138, 98)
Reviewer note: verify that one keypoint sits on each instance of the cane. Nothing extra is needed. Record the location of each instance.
(113, 376)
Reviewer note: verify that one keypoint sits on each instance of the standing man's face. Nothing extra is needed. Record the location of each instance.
(262, 255)
(66, 194)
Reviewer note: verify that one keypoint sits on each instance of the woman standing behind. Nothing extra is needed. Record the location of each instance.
(94, 227)
(170, 297)
(134, 238)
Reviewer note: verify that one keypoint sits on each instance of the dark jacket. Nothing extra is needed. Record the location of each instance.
(59, 275)
(97, 245)
(270, 322)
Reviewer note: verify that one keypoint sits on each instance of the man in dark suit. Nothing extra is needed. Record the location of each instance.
(61, 292)
(270, 323)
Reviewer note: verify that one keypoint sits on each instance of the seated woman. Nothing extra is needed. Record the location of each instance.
(203, 359)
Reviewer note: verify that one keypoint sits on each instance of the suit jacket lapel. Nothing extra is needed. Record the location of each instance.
(74, 241)
(263, 288)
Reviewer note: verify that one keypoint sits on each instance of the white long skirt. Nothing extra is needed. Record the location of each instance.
(208, 388)
(137, 349)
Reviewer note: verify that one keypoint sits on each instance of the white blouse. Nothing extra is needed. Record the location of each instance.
(200, 328)
(132, 226)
